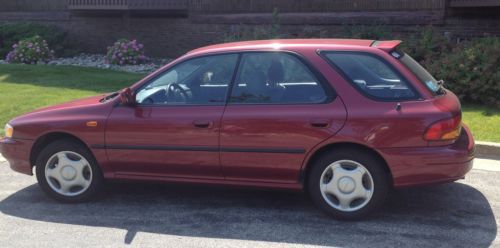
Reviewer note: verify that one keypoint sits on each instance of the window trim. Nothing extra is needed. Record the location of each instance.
(323, 53)
(161, 73)
(330, 93)
(324, 83)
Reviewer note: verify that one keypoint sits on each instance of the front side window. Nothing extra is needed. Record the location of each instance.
(372, 75)
(199, 81)
(276, 78)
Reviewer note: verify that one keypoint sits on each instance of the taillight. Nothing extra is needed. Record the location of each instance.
(448, 129)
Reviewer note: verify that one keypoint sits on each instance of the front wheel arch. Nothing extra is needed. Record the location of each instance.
(48, 138)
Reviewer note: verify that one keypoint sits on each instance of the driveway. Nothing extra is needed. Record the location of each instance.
(463, 214)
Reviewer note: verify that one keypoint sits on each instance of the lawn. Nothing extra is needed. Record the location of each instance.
(483, 121)
(25, 87)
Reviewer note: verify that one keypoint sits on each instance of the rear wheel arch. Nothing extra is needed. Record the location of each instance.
(48, 138)
(342, 145)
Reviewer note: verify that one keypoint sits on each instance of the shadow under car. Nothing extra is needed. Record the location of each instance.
(452, 214)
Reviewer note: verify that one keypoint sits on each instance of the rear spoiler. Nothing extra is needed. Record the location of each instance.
(387, 45)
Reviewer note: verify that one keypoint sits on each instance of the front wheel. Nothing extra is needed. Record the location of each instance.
(348, 184)
(67, 171)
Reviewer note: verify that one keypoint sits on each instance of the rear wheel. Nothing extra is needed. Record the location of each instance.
(348, 184)
(67, 171)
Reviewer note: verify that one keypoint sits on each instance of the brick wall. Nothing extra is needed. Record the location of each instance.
(32, 5)
(294, 6)
(173, 36)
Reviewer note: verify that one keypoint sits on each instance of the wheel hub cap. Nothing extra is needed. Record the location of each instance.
(68, 172)
(346, 185)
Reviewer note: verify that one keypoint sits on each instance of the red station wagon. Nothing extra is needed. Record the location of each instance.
(344, 120)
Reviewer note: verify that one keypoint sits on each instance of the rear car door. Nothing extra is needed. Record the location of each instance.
(174, 129)
(280, 108)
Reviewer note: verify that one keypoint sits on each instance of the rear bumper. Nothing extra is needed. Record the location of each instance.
(429, 165)
(17, 153)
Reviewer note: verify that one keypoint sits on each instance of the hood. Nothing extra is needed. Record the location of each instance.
(60, 111)
(93, 100)
(65, 117)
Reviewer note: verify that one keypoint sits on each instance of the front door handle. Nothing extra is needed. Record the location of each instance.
(203, 124)
(319, 123)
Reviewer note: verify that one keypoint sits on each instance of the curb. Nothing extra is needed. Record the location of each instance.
(487, 149)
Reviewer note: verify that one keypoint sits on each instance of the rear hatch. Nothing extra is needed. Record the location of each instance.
(447, 127)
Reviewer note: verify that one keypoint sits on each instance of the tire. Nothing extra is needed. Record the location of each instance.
(68, 172)
(340, 175)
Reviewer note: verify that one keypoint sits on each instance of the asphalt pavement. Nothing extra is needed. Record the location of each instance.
(461, 214)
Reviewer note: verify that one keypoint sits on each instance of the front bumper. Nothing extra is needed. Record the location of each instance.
(429, 165)
(17, 153)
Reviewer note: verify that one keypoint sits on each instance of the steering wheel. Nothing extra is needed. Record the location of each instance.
(173, 87)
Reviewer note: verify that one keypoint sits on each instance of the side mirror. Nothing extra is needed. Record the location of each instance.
(127, 98)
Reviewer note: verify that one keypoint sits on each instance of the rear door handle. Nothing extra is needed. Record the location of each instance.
(203, 124)
(319, 123)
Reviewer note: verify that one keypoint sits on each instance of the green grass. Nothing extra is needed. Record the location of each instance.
(25, 87)
(483, 121)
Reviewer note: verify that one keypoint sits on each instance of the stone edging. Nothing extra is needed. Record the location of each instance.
(488, 149)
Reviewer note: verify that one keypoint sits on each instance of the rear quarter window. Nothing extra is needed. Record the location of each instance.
(372, 76)
(420, 72)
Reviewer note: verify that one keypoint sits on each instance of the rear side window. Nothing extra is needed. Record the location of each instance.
(372, 76)
(275, 78)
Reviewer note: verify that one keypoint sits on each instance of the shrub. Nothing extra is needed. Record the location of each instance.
(264, 32)
(426, 44)
(470, 70)
(30, 51)
(375, 32)
(11, 33)
(125, 52)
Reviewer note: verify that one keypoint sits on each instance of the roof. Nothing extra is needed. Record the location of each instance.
(281, 43)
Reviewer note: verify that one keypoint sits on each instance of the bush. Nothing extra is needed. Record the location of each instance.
(426, 44)
(375, 32)
(264, 32)
(11, 33)
(471, 71)
(125, 52)
(30, 51)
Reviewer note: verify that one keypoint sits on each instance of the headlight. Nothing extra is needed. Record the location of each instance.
(9, 131)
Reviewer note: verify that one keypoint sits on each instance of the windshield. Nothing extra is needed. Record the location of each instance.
(422, 74)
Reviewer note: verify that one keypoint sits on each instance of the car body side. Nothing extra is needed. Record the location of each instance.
(379, 127)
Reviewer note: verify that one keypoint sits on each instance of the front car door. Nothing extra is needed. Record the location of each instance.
(279, 109)
(174, 129)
